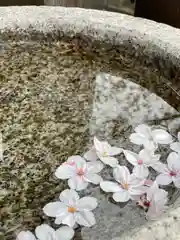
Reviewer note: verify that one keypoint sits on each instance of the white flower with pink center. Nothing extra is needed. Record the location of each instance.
(126, 187)
(104, 151)
(150, 138)
(45, 232)
(154, 201)
(71, 209)
(141, 161)
(79, 172)
(169, 172)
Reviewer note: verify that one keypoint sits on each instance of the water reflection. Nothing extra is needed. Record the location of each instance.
(125, 101)
(120, 105)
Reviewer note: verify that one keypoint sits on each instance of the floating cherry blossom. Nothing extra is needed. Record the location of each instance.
(91, 155)
(150, 138)
(71, 209)
(79, 172)
(142, 161)
(126, 187)
(105, 152)
(45, 232)
(169, 172)
(176, 145)
(154, 201)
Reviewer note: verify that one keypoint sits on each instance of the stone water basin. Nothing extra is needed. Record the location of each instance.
(64, 81)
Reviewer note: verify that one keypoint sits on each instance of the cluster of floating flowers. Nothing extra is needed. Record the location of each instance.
(71, 210)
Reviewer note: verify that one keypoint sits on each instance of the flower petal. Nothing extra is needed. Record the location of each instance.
(25, 235)
(94, 167)
(160, 167)
(136, 182)
(158, 201)
(78, 183)
(148, 157)
(163, 179)
(177, 182)
(52, 209)
(173, 161)
(44, 232)
(142, 135)
(175, 147)
(178, 136)
(137, 139)
(141, 171)
(65, 171)
(69, 220)
(109, 186)
(98, 145)
(75, 159)
(93, 178)
(69, 196)
(91, 155)
(122, 196)
(87, 203)
(85, 218)
(154, 159)
(121, 174)
(161, 136)
(111, 161)
(104, 147)
(143, 130)
(64, 233)
(137, 191)
(148, 182)
(131, 157)
(60, 217)
(153, 213)
(160, 197)
(154, 188)
(150, 145)
(114, 151)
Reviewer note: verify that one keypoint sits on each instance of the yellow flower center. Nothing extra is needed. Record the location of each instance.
(105, 154)
(72, 209)
(125, 186)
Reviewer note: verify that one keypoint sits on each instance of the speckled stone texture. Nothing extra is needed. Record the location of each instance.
(46, 98)
(65, 75)
(166, 228)
(113, 27)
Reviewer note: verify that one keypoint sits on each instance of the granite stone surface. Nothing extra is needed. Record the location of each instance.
(65, 75)
(46, 97)
(166, 228)
(99, 25)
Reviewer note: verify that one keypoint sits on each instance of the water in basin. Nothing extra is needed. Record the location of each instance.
(55, 96)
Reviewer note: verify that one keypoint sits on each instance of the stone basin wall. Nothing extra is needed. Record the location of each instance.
(158, 43)
(146, 42)
(123, 6)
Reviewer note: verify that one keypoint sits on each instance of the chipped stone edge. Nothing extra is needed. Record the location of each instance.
(147, 37)
(153, 39)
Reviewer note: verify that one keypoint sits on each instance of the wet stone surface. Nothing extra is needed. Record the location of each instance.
(54, 98)
(46, 98)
